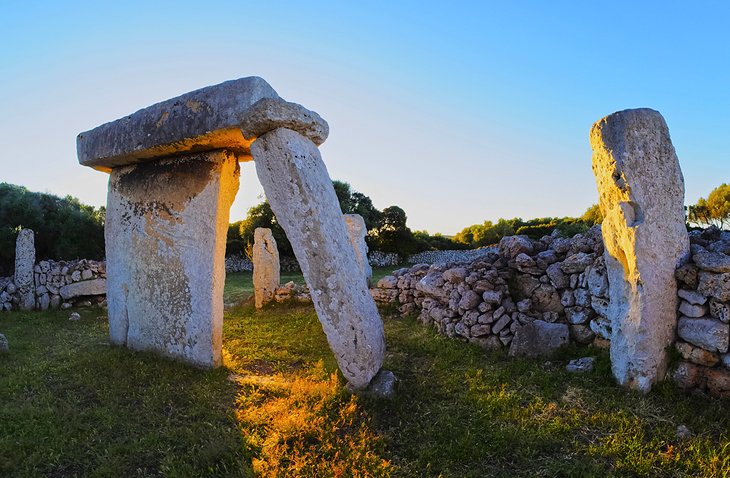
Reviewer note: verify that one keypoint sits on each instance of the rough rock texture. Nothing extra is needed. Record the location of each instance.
(165, 233)
(484, 300)
(301, 195)
(83, 288)
(266, 272)
(357, 231)
(710, 334)
(538, 338)
(205, 119)
(641, 196)
(268, 114)
(24, 262)
(4, 347)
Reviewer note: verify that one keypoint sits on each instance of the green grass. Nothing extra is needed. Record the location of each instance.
(71, 405)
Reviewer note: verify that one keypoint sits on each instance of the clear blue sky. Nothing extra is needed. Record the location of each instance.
(458, 112)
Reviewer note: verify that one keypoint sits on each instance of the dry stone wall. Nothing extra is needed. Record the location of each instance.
(703, 326)
(59, 284)
(557, 286)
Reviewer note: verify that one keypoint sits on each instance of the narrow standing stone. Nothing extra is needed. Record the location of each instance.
(165, 232)
(301, 195)
(641, 196)
(24, 262)
(357, 231)
(265, 266)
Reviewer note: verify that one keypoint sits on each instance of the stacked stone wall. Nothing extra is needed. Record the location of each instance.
(703, 325)
(559, 287)
(59, 284)
(488, 300)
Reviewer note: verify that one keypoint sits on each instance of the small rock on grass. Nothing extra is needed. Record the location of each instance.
(74, 316)
(4, 344)
(381, 386)
(683, 432)
(581, 365)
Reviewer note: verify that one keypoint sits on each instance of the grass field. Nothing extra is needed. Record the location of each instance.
(71, 405)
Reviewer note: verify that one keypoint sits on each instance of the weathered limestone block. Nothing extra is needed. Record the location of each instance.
(24, 262)
(538, 338)
(226, 116)
(641, 196)
(301, 195)
(710, 334)
(266, 271)
(165, 234)
(357, 231)
(88, 287)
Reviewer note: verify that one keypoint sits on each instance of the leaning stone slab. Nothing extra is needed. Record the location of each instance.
(538, 339)
(266, 269)
(83, 288)
(202, 120)
(301, 195)
(165, 232)
(357, 231)
(641, 196)
(24, 262)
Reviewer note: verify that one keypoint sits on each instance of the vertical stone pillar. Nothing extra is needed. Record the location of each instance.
(166, 226)
(641, 196)
(265, 266)
(301, 195)
(357, 231)
(24, 263)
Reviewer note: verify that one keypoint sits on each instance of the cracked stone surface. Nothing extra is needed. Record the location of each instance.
(301, 195)
(641, 196)
(165, 232)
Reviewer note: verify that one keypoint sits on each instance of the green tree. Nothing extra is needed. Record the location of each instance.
(260, 215)
(715, 210)
(64, 228)
(592, 216)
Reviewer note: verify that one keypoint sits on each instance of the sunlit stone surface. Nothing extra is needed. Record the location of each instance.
(641, 196)
(166, 226)
(301, 195)
(24, 262)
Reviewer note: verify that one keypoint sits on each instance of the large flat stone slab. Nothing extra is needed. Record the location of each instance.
(83, 288)
(165, 232)
(641, 196)
(227, 116)
(266, 268)
(24, 262)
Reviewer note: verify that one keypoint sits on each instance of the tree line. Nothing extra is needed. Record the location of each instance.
(66, 229)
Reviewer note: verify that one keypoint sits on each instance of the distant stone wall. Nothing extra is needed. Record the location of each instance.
(455, 256)
(60, 284)
(241, 263)
(703, 327)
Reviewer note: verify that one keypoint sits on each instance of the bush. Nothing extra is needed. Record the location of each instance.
(64, 228)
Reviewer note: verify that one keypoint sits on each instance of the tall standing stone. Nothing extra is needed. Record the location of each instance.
(165, 231)
(357, 231)
(301, 195)
(266, 270)
(641, 196)
(24, 262)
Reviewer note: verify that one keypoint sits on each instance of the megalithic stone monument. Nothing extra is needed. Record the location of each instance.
(174, 173)
(300, 193)
(266, 269)
(24, 262)
(641, 196)
(357, 231)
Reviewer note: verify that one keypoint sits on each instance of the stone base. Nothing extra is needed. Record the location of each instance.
(166, 226)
